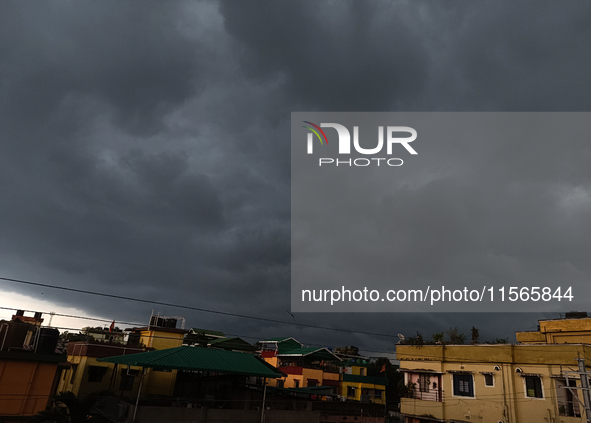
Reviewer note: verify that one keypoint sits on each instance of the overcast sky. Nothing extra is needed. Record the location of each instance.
(144, 147)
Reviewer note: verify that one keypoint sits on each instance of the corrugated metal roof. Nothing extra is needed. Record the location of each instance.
(320, 353)
(199, 359)
(281, 339)
(207, 332)
(232, 344)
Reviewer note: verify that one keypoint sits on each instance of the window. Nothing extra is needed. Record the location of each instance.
(533, 387)
(377, 394)
(96, 373)
(362, 372)
(424, 382)
(463, 385)
(312, 382)
(351, 391)
(280, 383)
(488, 380)
(296, 383)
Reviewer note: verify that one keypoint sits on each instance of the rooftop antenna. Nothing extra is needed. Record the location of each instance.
(51, 314)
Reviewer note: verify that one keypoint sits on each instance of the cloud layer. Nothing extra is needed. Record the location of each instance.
(145, 147)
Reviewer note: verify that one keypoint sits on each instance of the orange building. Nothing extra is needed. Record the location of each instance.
(27, 381)
(29, 367)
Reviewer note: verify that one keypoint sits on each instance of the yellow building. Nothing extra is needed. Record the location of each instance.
(356, 385)
(575, 328)
(491, 383)
(87, 375)
(159, 338)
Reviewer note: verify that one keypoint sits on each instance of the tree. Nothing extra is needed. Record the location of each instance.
(438, 337)
(395, 378)
(475, 336)
(455, 337)
(352, 350)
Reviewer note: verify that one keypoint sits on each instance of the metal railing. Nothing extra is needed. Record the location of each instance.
(432, 395)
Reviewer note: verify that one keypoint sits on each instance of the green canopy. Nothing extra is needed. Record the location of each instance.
(199, 359)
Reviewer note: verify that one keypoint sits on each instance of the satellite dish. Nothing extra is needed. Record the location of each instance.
(400, 338)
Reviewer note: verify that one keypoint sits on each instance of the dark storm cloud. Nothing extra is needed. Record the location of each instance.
(145, 147)
(135, 60)
(334, 56)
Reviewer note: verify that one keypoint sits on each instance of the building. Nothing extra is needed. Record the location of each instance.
(104, 335)
(313, 366)
(156, 336)
(305, 367)
(492, 383)
(574, 328)
(29, 366)
(357, 385)
(86, 374)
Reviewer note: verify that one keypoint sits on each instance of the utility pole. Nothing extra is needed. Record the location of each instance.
(264, 397)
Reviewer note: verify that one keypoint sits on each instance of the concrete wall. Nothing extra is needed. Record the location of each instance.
(204, 415)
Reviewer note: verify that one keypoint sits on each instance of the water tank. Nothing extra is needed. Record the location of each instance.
(157, 321)
(576, 315)
(47, 341)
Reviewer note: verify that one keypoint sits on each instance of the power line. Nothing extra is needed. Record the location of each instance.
(229, 334)
(415, 354)
(225, 313)
(72, 316)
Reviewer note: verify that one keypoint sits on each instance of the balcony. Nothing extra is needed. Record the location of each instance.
(432, 395)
